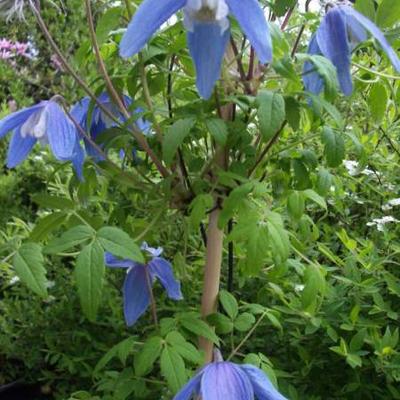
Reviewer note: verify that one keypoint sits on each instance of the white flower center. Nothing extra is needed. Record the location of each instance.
(35, 125)
(206, 11)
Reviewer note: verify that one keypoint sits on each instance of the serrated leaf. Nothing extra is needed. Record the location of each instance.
(173, 368)
(119, 243)
(279, 239)
(296, 205)
(54, 202)
(121, 350)
(244, 322)
(271, 113)
(73, 237)
(334, 147)
(89, 276)
(218, 130)
(47, 224)
(146, 358)
(229, 303)
(316, 198)
(29, 265)
(198, 327)
(175, 136)
(183, 347)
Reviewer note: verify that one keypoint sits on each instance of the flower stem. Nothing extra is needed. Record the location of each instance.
(212, 276)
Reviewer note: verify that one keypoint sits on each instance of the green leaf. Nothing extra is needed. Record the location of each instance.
(199, 207)
(244, 322)
(296, 205)
(218, 130)
(146, 358)
(320, 104)
(316, 198)
(48, 224)
(377, 101)
(229, 303)
(119, 243)
(302, 179)
(334, 147)
(198, 327)
(366, 7)
(73, 237)
(183, 347)
(271, 113)
(175, 136)
(221, 323)
(122, 350)
(326, 70)
(109, 20)
(47, 201)
(28, 263)
(354, 360)
(293, 112)
(388, 13)
(173, 368)
(89, 276)
(279, 238)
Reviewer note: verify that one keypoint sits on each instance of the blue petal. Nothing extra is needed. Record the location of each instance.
(356, 32)
(136, 294)
(80, 112)
(60, 131)
(254, 24)
(162, 269)
(312, 80)
(115, 262)
(193, 386)
(78, 160)
(150, 15)
(375, 32)
(263, 388)
(18, 118)
(207, 46)
(225, 380)
(19, 148)
(332, 40)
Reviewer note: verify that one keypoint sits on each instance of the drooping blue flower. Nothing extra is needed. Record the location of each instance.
(229, 381)
(208, 29)
(94, 121)
(45, 123)
(341, 30)
(136, 291)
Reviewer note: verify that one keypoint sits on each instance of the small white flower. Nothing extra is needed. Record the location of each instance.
(14, 280)
(351, 166)
(394, 202)
(299, 288)
(381, 222)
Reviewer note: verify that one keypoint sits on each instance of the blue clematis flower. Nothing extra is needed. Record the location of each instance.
(94, 121)
(340, 31)
(45, 123)
(136, 289)
(208, 25)
(226, 380)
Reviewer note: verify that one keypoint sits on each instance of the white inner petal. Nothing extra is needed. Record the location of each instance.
(206, 11)
(35, 125)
